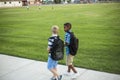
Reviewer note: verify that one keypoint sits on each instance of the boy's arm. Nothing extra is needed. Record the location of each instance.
(50, 43)
(66, 44)
(48, 49)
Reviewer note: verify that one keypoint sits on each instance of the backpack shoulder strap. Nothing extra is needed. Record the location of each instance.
(51, 37)
(58, 37)
(71, 33)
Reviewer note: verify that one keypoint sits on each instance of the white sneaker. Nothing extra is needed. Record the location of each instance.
(76, 75)
(67, 74)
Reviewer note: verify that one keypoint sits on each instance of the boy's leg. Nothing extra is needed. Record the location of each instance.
(55, 74)
(67, 63)
(55, 69)
(69, 70)
(71, 67)
(59, 77)
(52, 67)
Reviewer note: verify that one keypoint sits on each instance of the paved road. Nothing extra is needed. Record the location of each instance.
(14, 68)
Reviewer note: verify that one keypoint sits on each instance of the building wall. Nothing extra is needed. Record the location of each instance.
(11, 4)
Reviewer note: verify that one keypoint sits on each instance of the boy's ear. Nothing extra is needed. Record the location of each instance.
(69, 27)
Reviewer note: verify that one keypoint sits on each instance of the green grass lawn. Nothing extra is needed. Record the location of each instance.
(24, 33)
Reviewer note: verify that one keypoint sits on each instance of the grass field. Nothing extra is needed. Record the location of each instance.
(24, 33)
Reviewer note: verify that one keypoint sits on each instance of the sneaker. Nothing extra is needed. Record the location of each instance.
(67, 74)
(60, 77)
(76, 75)
(53, 78)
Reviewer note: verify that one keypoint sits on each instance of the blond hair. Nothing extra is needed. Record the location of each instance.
(55, 29)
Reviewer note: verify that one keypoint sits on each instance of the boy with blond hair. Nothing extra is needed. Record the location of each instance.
(52, 64)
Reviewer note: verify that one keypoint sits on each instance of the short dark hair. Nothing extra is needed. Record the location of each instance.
(68, 25)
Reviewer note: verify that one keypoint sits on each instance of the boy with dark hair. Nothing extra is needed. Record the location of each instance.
(69, 57)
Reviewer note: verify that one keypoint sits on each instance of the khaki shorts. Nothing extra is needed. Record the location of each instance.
(69, 59)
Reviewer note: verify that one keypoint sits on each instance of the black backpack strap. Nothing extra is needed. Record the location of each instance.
(71, 34)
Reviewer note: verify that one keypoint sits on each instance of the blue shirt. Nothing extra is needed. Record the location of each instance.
(67, 40)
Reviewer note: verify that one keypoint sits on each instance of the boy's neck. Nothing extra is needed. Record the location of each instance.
(68, 31)
(54, 34)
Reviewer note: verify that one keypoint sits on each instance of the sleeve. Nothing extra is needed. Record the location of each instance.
(50, 42)
(67, 38)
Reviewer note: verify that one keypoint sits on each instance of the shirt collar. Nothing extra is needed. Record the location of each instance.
(68, 31)
(54, 35)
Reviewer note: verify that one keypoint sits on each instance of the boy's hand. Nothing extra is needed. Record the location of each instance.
(48, 49)
(66, 44)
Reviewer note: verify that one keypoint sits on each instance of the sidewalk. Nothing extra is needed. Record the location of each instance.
(13, 68)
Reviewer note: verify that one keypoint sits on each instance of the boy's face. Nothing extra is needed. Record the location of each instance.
(66, 28)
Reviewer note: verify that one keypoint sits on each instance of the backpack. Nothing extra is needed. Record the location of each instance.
(74, 44)
(57, 50)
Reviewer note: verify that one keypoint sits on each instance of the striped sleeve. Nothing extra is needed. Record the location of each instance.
(50, 42)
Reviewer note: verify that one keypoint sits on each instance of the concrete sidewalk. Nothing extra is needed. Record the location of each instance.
(13, 68)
